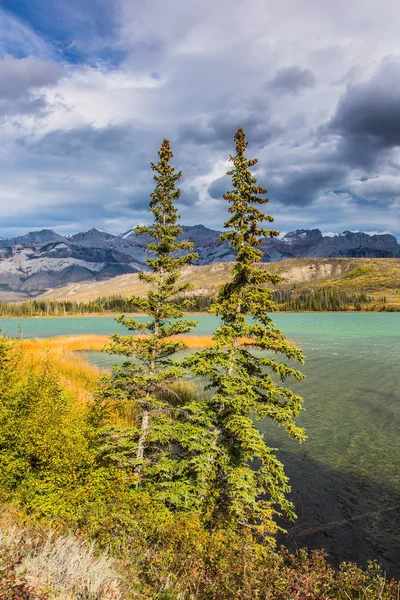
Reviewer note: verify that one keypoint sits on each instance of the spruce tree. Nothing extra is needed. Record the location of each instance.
(249, 486)
(144, 380)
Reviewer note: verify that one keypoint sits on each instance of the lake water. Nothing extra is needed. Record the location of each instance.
(346, 476)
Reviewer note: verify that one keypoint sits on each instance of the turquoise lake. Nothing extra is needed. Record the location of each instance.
(346, 476)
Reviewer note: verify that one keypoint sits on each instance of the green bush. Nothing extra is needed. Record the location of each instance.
(45, 451)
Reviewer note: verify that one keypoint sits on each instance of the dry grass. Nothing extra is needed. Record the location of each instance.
(92, 342)
(68, 343)
(61, 567)
(75, 373)
(78, 376)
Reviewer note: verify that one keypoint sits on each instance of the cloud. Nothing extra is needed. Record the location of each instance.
(302, 186)
(220, 186)
(19, 75)
(73, 30)
(367, 117)
(21, 82)
(375, 189)
(296, 186)
(189, 197)
(220, 128)
(79, 141)
(292, 80)
(93, 87)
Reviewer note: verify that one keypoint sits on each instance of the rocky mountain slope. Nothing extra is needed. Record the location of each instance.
(43, 260)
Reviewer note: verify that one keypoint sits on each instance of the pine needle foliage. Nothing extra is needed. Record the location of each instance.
(249, 486)
(145, 381)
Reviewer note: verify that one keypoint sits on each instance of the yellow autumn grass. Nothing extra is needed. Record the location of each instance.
(75, 372)
(93, 342)
(68, 343)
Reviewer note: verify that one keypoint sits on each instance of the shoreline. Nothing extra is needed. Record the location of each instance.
(94, 315)
(188, 315)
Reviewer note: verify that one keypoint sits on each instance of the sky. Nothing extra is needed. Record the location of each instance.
(89, 89)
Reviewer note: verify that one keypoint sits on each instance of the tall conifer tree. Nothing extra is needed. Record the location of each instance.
(144, 380)
(249, 485)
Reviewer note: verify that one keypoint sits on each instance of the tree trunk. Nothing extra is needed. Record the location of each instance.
(235, 345)
(142, 440)
(143, 431)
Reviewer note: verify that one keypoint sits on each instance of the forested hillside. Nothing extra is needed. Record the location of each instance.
(308, 284)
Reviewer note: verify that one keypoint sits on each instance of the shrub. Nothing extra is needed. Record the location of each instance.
(45, 438)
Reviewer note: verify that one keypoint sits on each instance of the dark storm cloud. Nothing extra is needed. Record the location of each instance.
(90, 208)
(137, 202)
(47, 217)
(114, 139)
(367, 118)
(292, 80)
(301, 187)
(93, 200)
(188, 197)
(220, 186)
(219, 129)
(297, 187)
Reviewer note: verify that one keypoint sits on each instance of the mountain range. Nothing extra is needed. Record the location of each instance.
(42, 260)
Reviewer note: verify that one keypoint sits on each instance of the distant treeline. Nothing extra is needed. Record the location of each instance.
(287, 300)
(327, 300)
(321, 300)
(117, 304)
(56, 308)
